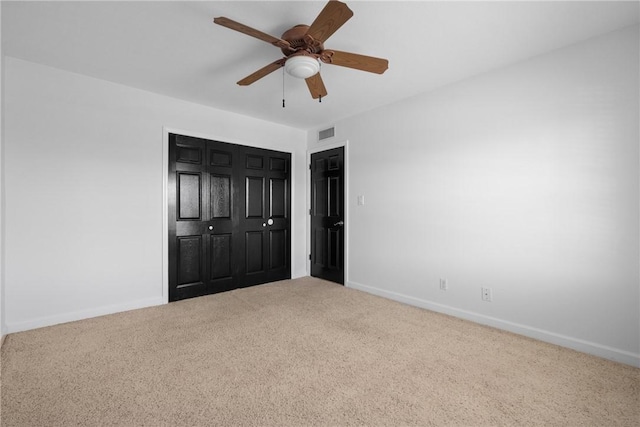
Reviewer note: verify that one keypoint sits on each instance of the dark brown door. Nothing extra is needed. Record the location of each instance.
(327, 215)
(217, 195)
(265, 221)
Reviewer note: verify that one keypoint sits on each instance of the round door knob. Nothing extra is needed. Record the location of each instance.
(211, 227)
(270, 222)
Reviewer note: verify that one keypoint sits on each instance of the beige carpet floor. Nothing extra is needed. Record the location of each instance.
(303, 352)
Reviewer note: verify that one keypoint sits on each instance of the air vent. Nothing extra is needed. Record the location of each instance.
(326, 134)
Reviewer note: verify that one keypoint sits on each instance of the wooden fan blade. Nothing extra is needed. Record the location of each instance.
(316, 86)
(356, 61)
(229, 23)
(332, 17)
(262, 72)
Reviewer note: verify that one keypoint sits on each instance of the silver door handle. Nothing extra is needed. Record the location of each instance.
(211, 227)
(338, 223)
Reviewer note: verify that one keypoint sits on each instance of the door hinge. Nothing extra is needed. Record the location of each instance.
(309, 166)
(310, 212)
(309, 257)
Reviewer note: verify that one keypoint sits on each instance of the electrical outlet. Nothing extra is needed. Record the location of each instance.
(443, 284)
(486, 294)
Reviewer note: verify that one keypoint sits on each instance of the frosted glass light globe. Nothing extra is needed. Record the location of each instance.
(302, 66)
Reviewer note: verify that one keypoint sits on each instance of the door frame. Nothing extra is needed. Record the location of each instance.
(165, 197)
(319, 149)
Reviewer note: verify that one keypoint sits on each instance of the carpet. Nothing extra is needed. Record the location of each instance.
(303, 352)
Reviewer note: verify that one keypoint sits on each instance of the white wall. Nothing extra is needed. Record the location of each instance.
(524, 179)
(2, 330)
(84, 191)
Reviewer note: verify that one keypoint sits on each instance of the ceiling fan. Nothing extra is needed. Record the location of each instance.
(303, 47)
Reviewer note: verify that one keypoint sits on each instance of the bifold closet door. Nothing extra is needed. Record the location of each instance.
(229, 216)
(265, 221)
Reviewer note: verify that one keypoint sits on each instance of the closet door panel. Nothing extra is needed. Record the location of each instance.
(229, 216)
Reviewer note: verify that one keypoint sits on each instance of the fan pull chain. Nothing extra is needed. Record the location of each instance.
(320, 96)
(282, 87)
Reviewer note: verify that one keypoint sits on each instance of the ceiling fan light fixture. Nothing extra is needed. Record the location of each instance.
(302, 66)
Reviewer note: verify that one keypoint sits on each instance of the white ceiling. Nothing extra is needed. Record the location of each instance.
(173, 47)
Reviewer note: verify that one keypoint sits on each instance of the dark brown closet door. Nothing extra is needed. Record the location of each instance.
(219, 197)
(266, 223)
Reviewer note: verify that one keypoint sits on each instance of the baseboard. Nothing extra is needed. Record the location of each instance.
(599, 350)
(81, 314)
(299, 274)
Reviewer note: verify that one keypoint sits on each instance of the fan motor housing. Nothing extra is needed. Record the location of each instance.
(298, 39)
